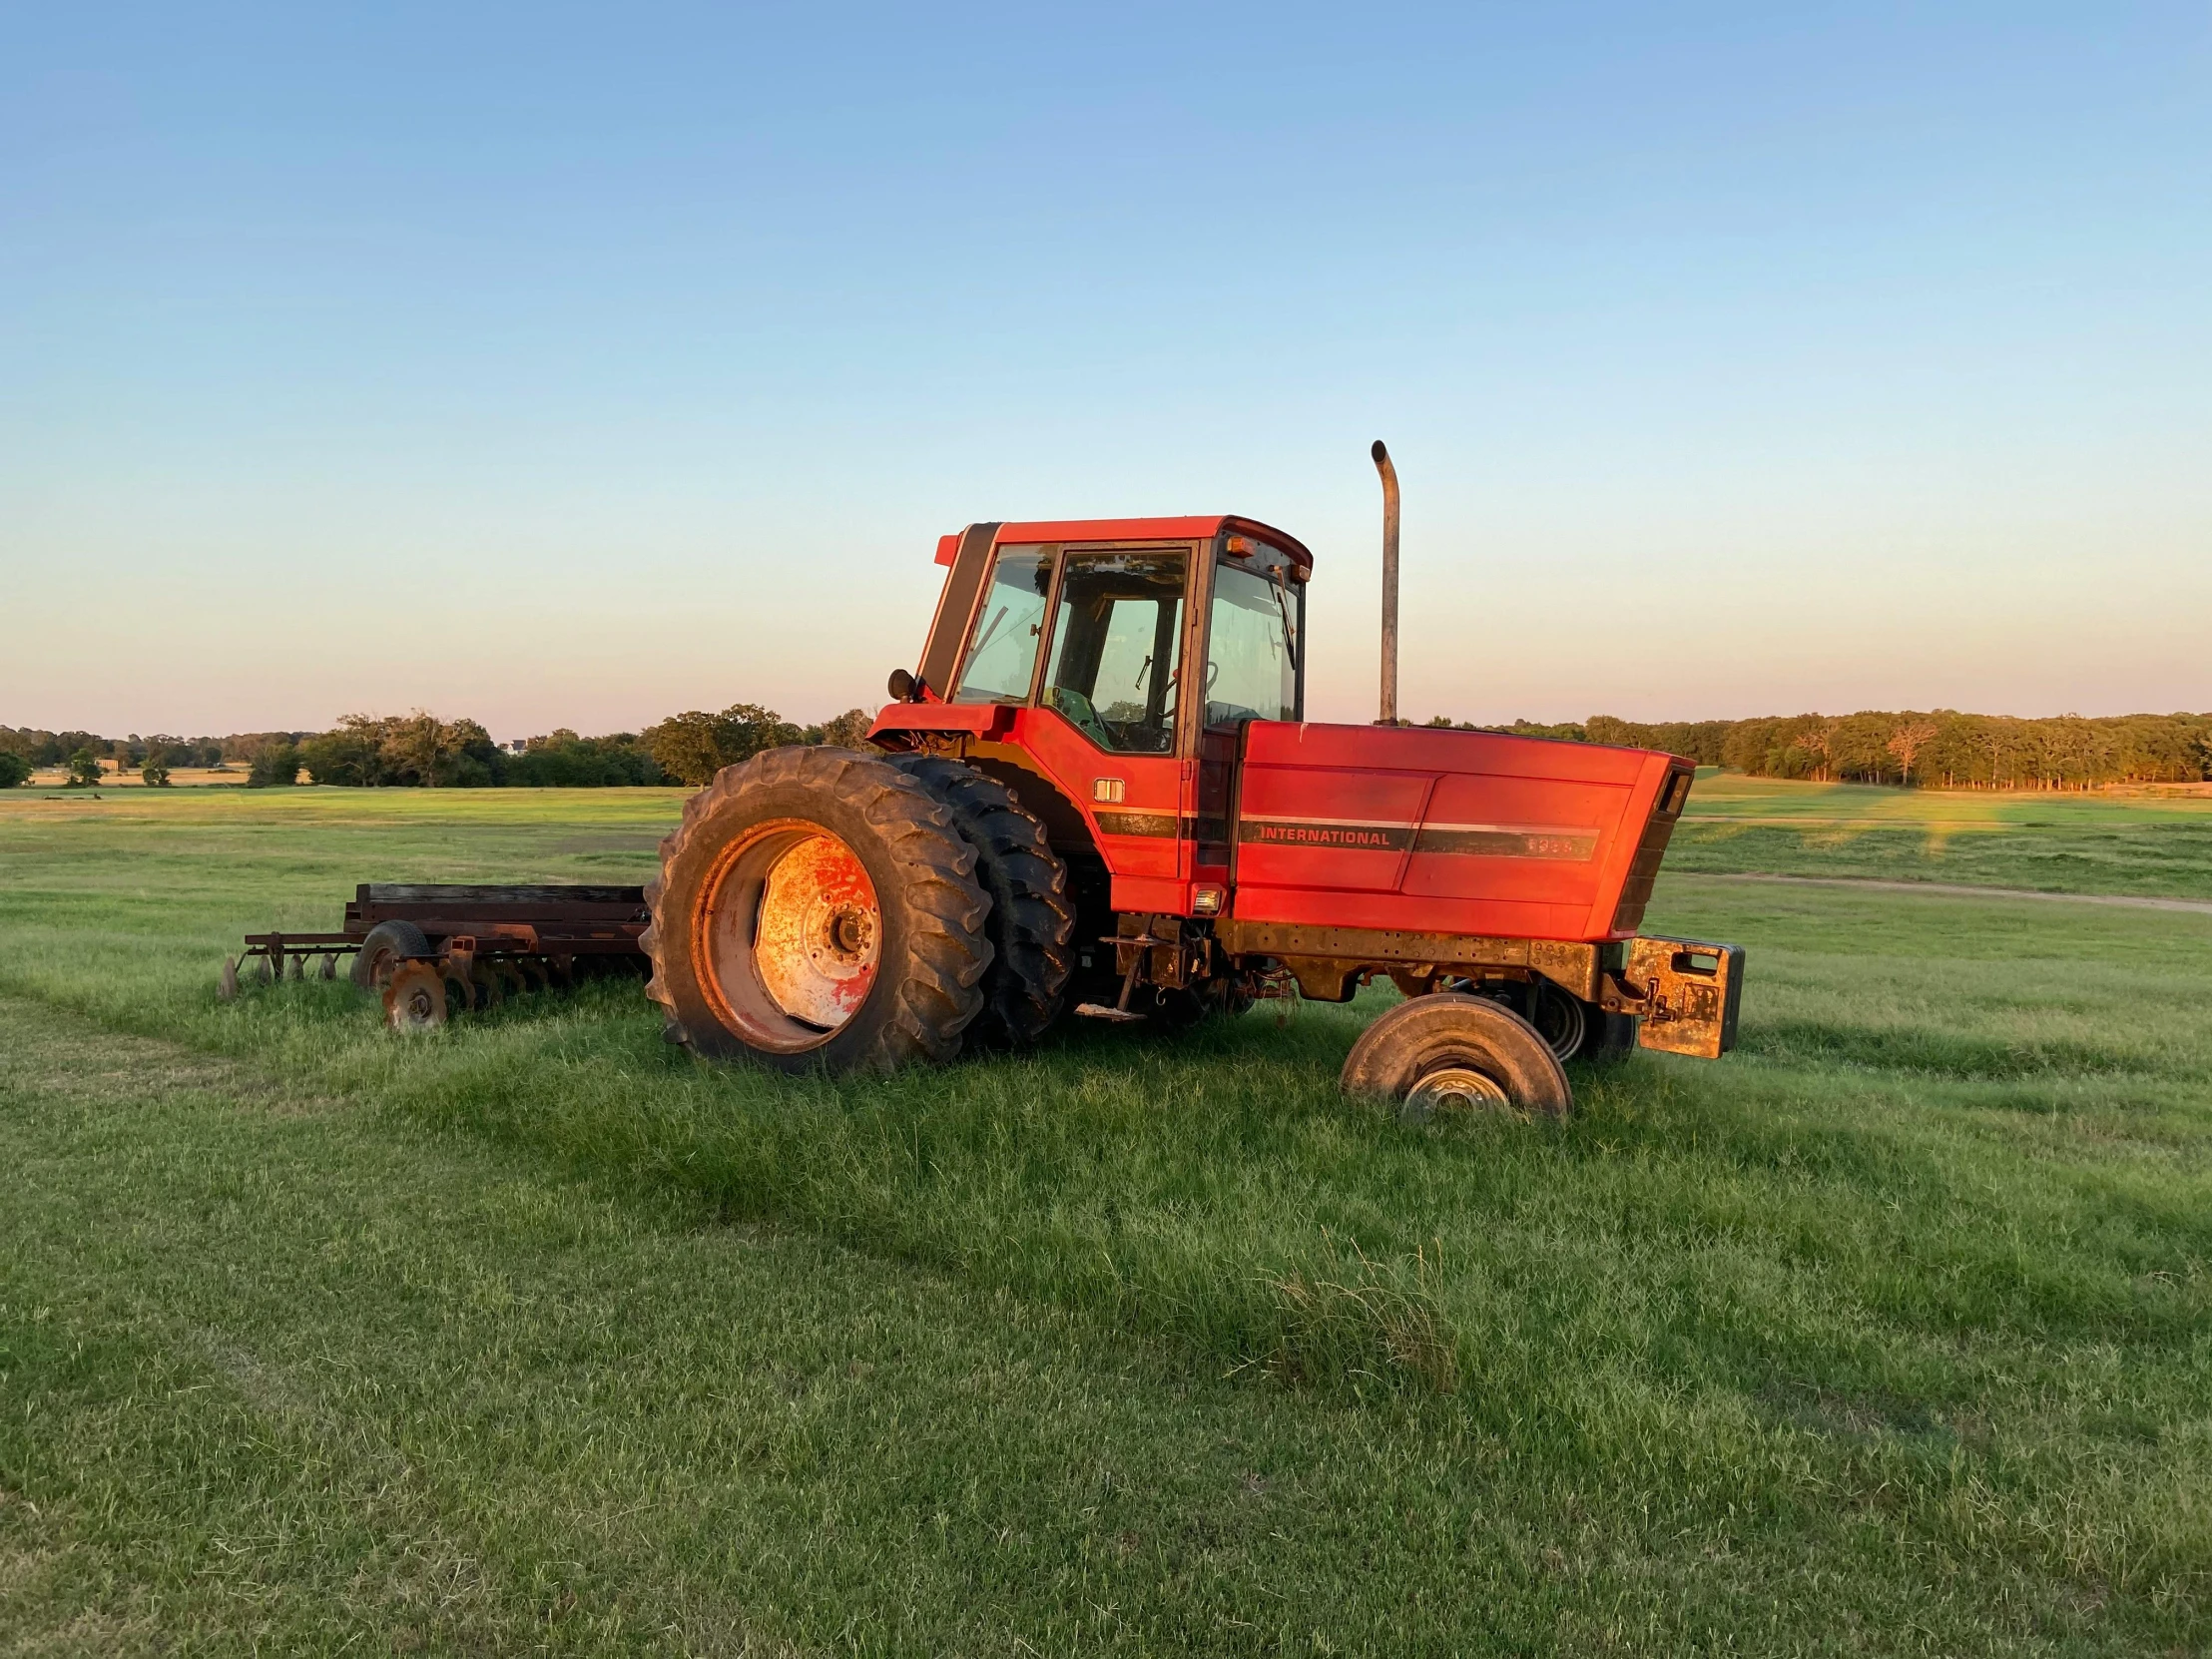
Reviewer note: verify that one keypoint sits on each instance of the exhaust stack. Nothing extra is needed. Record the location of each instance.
(1390, 583)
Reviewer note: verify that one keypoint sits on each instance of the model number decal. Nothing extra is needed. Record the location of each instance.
(1493, 841)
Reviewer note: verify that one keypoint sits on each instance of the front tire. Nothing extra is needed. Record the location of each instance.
(1449, 1052)
(818, 908)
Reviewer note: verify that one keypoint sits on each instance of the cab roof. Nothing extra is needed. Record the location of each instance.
(1200, 528)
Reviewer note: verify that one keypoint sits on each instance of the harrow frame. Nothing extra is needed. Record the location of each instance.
(559, 929)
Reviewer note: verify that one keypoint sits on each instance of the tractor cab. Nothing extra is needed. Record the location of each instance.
(1105, 668)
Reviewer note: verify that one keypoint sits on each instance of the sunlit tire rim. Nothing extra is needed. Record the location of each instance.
(1454, 1087)
(792, 934)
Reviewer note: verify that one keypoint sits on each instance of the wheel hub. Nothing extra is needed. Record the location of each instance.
(1454, 1087)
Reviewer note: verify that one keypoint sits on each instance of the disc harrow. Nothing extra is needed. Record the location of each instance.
(430, 953)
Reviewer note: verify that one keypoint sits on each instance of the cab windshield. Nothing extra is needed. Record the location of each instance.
(1002, 653)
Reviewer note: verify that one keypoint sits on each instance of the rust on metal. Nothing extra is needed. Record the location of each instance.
(1326, 979)
(1163, 947)
(484, 942)
(1570, 965)
(819, 934)
(414, 998)
(1685, 992)
(1390, 583)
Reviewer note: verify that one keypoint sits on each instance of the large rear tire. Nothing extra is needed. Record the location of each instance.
(1032, 918)
(818, 908)
(1454, 1052)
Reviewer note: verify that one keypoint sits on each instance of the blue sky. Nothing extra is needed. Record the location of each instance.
(567, 367)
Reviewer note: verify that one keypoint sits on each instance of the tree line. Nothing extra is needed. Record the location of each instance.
(423, 751)
(1939, 748)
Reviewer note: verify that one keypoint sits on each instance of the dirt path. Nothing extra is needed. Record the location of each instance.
(2130, 902)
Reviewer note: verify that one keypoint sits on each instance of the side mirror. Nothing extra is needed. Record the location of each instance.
(902, 685)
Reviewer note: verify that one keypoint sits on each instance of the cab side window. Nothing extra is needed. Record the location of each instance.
(1116, 649)
(1002, 655)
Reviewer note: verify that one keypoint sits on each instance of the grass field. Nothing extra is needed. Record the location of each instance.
(1888, 1334)
(2150, 844)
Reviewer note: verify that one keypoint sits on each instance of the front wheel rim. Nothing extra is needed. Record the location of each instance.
(1454, 1087)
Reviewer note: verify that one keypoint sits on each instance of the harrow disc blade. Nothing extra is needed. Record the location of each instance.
(415, 1000)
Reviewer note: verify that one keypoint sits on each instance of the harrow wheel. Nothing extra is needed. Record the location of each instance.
(1451, 1052)
(387, 945)
(817, 908)
(414, 998)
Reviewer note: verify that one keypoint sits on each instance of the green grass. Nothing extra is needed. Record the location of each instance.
(1888, 1334)
(2148, 845)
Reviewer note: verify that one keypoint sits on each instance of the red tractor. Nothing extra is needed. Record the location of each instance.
(1098, 793)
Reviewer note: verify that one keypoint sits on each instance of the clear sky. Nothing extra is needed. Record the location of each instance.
(563, 366)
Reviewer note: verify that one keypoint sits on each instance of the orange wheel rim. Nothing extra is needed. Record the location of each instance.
(791, 932)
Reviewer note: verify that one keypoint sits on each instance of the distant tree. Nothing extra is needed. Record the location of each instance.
(84, 769)
(1907, 741)
(273, 768)
(1858, 747)
(347, 755)
(153, 775)
(421, 749)
(687, 746)
(692, 747)
(846, 731)
(417, 750)
(14, 769)
(562, 759)
(1698, 739)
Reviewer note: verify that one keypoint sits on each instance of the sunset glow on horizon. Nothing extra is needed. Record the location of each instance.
(560, 370)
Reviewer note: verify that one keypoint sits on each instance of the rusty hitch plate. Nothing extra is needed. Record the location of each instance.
(1687, 993)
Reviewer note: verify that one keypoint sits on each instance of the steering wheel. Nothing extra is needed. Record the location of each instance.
(1077, 708)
